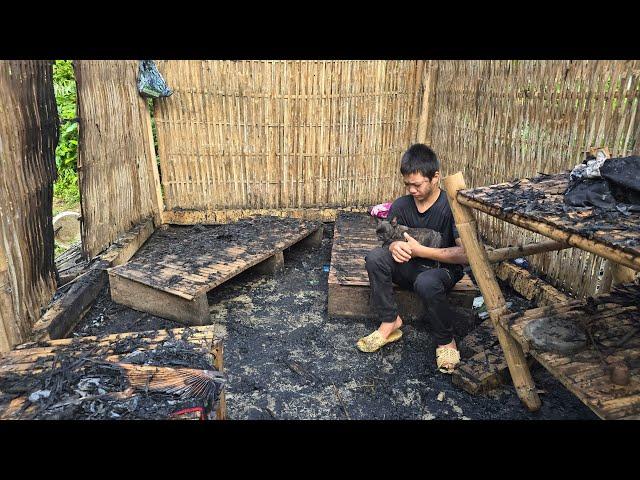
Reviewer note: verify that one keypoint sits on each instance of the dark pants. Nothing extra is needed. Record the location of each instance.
(431, 285)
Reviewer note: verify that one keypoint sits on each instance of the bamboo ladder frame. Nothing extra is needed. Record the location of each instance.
(496, 305)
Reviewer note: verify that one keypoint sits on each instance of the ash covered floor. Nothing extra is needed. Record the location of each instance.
(285, 359)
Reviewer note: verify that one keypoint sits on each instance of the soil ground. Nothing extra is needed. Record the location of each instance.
(285, 359)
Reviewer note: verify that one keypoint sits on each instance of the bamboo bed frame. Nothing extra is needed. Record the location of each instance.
(589, 381)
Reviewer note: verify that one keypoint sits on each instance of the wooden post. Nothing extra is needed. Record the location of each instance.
(417, 90)
(218, 353)
(424, 124)
(272, 265)
(154, 178)
(493, 298)
(314, 240)
(621, 274)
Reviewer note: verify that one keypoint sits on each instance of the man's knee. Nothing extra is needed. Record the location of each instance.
(427, 286)
(377, 258)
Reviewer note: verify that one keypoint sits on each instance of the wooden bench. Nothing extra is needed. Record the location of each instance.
(354, 236)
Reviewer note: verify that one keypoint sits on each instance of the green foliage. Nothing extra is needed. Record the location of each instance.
(64, 86)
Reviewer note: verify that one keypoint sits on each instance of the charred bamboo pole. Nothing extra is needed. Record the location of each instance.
(508, 253)
(496, 306)
(617, 256)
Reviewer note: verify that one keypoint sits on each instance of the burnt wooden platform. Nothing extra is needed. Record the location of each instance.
(538, 205)
(58, 366)
(354, 236)
(171, 275)
(613, 321)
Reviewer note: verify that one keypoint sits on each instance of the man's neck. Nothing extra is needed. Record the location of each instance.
(425, 204)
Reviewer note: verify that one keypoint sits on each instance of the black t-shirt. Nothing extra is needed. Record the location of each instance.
(437, 217)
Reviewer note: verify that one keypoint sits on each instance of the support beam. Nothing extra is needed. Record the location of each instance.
(314, 240)
(483, 273)
(508, 253)
(162, 304)
(210, 217)
(271, 265)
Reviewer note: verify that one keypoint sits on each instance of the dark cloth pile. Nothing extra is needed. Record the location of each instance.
(608, 184)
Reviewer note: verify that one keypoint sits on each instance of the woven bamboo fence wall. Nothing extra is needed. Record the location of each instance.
(500, 120)
(284, 134)
(115, 152)
(28, 138)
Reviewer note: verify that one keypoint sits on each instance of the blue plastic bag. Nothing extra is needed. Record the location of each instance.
(150, 82)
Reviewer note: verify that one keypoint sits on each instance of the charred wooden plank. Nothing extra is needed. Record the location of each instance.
(145, 298)
(64, 313)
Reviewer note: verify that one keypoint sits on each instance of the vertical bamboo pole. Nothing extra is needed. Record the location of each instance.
(424, 124)
(493, 298)
(218, 353)
(154, 174)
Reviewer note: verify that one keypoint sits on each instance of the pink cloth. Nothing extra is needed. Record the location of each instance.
(382, 210)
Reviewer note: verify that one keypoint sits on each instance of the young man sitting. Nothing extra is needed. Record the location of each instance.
(411, 265)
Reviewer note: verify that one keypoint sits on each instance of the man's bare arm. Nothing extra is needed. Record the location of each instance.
(455, 254)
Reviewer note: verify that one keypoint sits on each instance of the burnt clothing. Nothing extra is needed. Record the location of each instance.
(437, 217)
(616, 186)
(431, 285)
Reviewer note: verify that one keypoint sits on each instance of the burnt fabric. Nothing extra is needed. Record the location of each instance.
(623, 175)
(590, 193)
(618, 188)
(431, 285)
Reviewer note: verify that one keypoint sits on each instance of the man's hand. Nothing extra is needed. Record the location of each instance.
(412, 242)
(400, 251)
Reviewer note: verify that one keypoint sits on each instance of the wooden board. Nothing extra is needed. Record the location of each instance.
(354, 236)
(171, 275)
(40, 357)
(611, 318)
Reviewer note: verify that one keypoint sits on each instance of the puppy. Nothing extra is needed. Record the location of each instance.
(391, 231)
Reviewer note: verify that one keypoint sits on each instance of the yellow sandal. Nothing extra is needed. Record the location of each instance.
(447, 356)
(375, 341)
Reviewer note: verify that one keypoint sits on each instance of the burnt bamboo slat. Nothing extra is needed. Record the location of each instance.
(537, 205)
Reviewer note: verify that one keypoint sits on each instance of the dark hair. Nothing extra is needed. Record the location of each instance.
(419, 159)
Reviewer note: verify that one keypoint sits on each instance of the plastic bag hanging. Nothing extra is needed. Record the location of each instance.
(150, 82)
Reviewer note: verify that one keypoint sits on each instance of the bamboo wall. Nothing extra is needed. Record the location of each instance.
(28, 137)
(115, 152)
(284, 134)
(501, 120)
